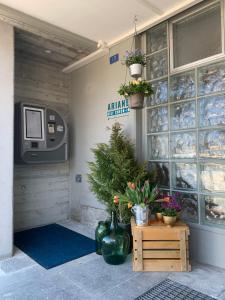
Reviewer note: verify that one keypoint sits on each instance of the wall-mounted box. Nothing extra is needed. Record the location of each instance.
(40, 135)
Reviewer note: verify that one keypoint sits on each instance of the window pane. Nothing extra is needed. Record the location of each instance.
(212, 144)
(158, 146)
(157, 38)
(191, 40)
(160, 172)
(214, 209)
(184, 176)
(212, 177)
(182, 86)
(160, 95)
(212, 111)
(211, 79)
(183, 115)
(183, 145)
(189, 204)
(158, 119)
(157, 65)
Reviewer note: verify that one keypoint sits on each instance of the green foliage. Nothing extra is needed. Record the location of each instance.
(134, 87)
(169, 212)
(135, 57)
(138, 194)
(114, 165)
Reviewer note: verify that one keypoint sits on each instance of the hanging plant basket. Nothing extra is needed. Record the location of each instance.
(136, 70)
(137, 101)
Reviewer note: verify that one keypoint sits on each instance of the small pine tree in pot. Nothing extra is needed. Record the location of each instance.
(115, 165)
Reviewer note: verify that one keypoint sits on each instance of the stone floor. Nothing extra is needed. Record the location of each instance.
(91, 278)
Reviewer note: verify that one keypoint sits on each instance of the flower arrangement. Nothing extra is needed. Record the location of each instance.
(135, 87)
(135, 57)
(170, 206)
(137, 195)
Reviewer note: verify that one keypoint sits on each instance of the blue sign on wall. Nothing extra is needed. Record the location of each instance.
(118, 109)
(114, 58)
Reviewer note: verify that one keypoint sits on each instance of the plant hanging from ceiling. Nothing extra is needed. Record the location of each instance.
(137, 89)
(135, 61)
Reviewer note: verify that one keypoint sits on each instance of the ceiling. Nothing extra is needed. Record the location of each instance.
(98, 19)
(27, 43)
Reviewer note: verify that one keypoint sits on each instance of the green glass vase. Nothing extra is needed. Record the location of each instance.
(101, 231)
(115, 245)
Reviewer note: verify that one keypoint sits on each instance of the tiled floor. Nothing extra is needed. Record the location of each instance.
(91, 278)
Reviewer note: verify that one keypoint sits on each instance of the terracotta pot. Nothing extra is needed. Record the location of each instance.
(136, 70)
(170, 221)
(137, 101)
(159, 216)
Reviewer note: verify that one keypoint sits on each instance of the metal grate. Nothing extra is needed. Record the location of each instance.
(170, 290)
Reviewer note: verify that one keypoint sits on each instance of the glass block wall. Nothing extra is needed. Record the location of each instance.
(185, 122)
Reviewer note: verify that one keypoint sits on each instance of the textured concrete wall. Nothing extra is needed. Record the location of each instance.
(94, 86)
(41, 192)
(6, 141)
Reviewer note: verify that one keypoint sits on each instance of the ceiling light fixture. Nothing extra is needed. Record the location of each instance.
(48, 51)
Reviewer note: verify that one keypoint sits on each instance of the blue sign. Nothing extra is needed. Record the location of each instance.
(114, 58)
(118, 109)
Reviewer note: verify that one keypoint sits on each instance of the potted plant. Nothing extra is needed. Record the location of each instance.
(135, 61)
(169, 216)
(138, 198)
(136, 90)
(171, 208)
(113, 166)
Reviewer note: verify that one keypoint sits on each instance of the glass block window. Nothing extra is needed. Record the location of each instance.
(191, 34)
(185, 129)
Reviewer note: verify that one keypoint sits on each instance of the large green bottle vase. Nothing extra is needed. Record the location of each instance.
(101, 231)
(115, 245)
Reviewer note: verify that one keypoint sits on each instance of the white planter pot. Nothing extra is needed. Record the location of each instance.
(136, 70)
(141, 215)
(137, 101)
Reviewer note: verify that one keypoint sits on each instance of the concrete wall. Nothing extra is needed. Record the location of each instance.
(94, 86)
(6, 141)
(41, 192)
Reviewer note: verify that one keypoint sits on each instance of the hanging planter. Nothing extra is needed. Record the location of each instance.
(135, 61)
(137, 101)
(136, 91)
(136, 70)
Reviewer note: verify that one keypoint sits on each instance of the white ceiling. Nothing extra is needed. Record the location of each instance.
(107, 20)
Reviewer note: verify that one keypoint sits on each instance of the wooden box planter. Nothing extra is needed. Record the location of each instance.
(161, 248)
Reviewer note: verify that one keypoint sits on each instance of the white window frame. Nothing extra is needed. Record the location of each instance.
(204, 60)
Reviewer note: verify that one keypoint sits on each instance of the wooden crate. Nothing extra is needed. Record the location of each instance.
(158, 247)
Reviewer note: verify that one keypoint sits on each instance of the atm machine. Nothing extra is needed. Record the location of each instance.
(41, 135)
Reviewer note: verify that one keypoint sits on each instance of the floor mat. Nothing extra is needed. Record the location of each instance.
(171, 290)
(53, 245)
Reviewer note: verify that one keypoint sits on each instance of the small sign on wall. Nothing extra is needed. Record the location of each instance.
(118, 109)
(114, 58)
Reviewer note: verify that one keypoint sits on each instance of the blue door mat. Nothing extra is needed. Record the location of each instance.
(53, 245)
(171, 290)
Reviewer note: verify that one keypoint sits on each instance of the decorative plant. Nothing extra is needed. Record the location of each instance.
(135, 57)
(138, 194)
(135, 87)
(114, 165)
(169, 212)
(170, 205)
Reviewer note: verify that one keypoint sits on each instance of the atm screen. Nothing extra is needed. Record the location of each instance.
(33, 123)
